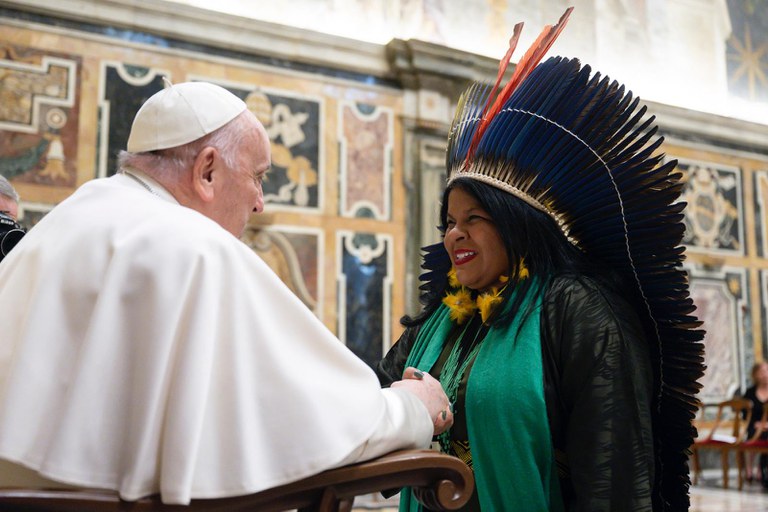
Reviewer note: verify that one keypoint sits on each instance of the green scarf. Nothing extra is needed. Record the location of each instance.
(505, 411)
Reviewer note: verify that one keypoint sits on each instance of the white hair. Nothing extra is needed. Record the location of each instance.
(172, 162)
(7, 190)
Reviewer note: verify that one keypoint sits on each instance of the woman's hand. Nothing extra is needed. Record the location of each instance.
(431, 394)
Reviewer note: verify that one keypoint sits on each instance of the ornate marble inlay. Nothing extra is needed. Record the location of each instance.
(761, 211)
(365, 287)
(39, 108)
(294, 125)
(720, 301)
(123, 89)
(714, 216)
(365, 160)
(293, 255)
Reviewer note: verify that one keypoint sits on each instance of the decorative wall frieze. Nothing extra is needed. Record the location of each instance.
(688, 126)
(203, 26)
(423, 65)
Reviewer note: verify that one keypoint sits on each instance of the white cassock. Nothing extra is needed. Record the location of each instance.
(145, 349)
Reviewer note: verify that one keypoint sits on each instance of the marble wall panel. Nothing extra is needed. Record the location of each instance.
(294, 254)
(761, 212)
(365, 138)
(124, 88)
(39, 112)
(721, 300)
(727, 192)
(294, 123)
(714, 218)
(365, 269)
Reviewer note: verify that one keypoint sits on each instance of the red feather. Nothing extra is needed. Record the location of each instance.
(529, 61)
(504, 63)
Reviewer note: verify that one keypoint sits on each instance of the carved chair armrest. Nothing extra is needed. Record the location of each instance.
(441, 481)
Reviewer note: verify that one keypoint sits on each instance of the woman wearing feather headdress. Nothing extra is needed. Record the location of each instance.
(557, 315)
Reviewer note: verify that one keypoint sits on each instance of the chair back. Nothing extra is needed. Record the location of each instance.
(730, 421)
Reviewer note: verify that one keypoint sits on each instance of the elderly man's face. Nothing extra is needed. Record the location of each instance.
(9, 207)
(242, 193)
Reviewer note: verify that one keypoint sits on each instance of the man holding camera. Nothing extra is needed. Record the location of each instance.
(10, 230)
(9, 199)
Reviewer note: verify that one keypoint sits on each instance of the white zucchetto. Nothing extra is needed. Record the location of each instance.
(180, 114)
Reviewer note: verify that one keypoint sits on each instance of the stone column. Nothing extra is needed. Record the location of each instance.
(432, 77)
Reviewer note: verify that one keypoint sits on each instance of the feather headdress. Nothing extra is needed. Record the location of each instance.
(579, 147)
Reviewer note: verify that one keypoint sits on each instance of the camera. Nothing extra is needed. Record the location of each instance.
(10, 234)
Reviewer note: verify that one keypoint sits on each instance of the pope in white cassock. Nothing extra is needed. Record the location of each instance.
(145, 349)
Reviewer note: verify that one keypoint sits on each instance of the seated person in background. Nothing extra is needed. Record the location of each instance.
(146, 349)
(757, 393)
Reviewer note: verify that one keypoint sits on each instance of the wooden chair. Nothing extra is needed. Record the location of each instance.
(755, 444)
(440, 481)
(726, 433)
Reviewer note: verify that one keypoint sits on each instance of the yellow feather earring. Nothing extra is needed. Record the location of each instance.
(459, 300)
(522, 270)
(487, 302)
(453, 281)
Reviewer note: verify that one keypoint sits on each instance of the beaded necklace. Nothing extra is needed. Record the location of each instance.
(463, 307)
(452, 373)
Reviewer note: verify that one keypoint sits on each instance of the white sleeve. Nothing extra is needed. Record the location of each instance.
(405, 424)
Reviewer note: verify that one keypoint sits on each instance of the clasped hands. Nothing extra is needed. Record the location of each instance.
(430, 392)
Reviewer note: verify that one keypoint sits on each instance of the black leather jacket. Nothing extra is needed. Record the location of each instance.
(598, 390)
